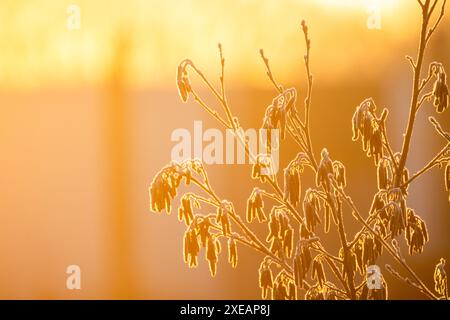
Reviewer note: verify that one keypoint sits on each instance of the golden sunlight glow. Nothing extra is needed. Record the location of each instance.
(36, 47)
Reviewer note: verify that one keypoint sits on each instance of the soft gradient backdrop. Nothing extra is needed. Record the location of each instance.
(86, 117)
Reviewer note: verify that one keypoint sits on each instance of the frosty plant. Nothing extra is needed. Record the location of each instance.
(295, 262)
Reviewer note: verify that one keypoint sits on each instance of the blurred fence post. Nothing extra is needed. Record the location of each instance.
(117, 171)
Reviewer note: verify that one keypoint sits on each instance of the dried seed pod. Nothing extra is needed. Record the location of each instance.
(440, 278)
(203, 226)
(379, 206)
(255, 206)
(396, 224)
(423, 227)
(292, 181)
(222, 216)
(369, 120)
(164, 188)
(376, 144)
(283, 218)
(440, 91)
(186, 246)
(212, 251)
(301, 263)
(304, 232)
(260, 212)
(225, 223)
(299, 274)
(416, 233)
(274, 226)
(324, 170)
(317, 271)
(291, 185)
(185, 210)
(366, 125)
(183, 82)
(191, 248)
(384, 174)
(288, 242)
(369, 252)
(275, 115)
(281, 285)
(335, 206)
(306, 258)
(265, 278)
(232, 252)
(357, 123)
(380, 229)
(277, 246)
(311, 208)
(339, 173)
(280, 233)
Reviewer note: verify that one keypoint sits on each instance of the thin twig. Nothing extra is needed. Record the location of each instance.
(441, 15)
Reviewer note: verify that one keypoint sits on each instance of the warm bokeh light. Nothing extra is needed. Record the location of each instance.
(86, 117)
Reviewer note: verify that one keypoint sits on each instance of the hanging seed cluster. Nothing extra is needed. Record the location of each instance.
(440, 90)
(166, 182)
(416, 233)
(440, 278)
(284, 288)
(367, 250)
(222, 217)
(185, 212)
(199, 235)
(275, 116)
(385, 174)
(281, 233)
(367, 126)
(302, 261)
(255, 207)
(265, 278)
(183, 83)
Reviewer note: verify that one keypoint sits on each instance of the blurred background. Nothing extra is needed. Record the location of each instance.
(87, 108)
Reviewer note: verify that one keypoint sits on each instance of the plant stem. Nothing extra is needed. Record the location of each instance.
(435, 161)
(427, 291)
(415, 92)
